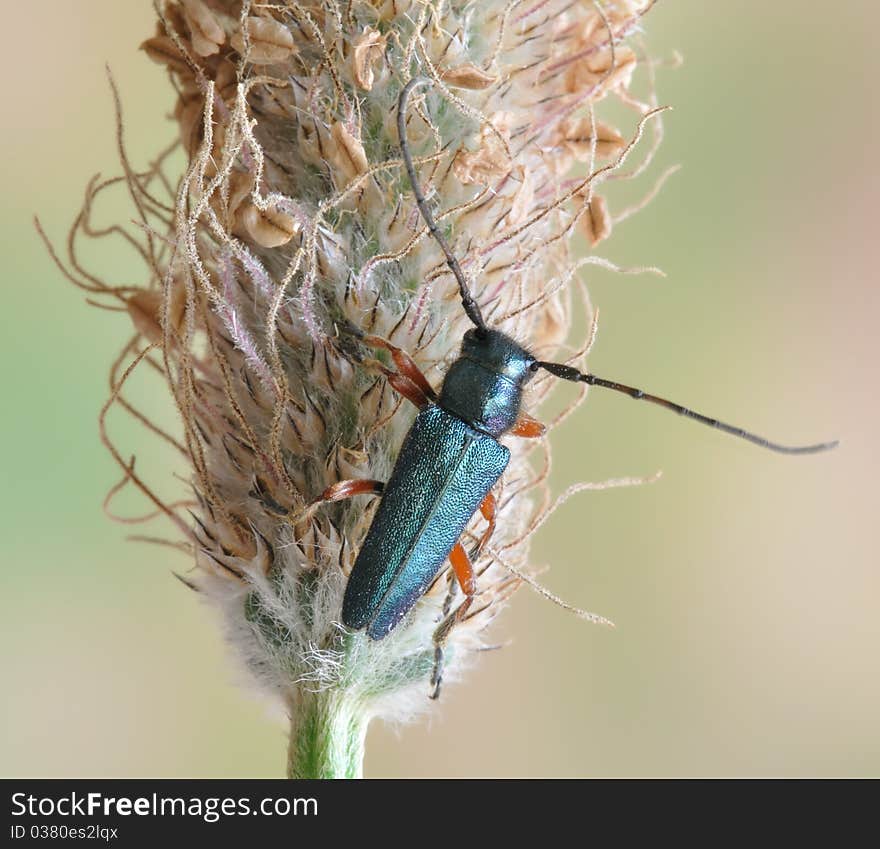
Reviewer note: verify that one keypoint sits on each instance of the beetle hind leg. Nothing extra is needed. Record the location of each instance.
(437, 673)
(464, 572)
(489, 509)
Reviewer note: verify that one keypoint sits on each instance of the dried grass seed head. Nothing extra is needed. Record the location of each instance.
(294, 215)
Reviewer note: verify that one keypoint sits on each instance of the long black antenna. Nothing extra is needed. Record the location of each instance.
(467, 299)
(570, 373)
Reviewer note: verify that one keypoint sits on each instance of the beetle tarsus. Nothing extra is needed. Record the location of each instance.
(437, 674)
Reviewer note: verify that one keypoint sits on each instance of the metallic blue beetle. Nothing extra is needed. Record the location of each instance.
(449, 462)
(451, 457)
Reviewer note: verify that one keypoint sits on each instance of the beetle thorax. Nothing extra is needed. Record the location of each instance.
(483, 387)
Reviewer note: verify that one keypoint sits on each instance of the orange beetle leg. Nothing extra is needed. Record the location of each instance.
(464, 572)
(406, 387)
(489, 509)
(405, 365)
(348, 489)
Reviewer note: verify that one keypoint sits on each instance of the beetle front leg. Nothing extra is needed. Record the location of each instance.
(404, 386)
(405, 365)
(408, 380)
(464, 572)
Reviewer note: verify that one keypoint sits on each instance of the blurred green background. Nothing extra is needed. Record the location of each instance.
(745, 586)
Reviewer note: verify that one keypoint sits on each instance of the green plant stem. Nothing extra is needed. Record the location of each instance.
(327, 735)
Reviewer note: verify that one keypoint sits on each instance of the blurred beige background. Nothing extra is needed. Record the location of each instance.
(745, 586)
